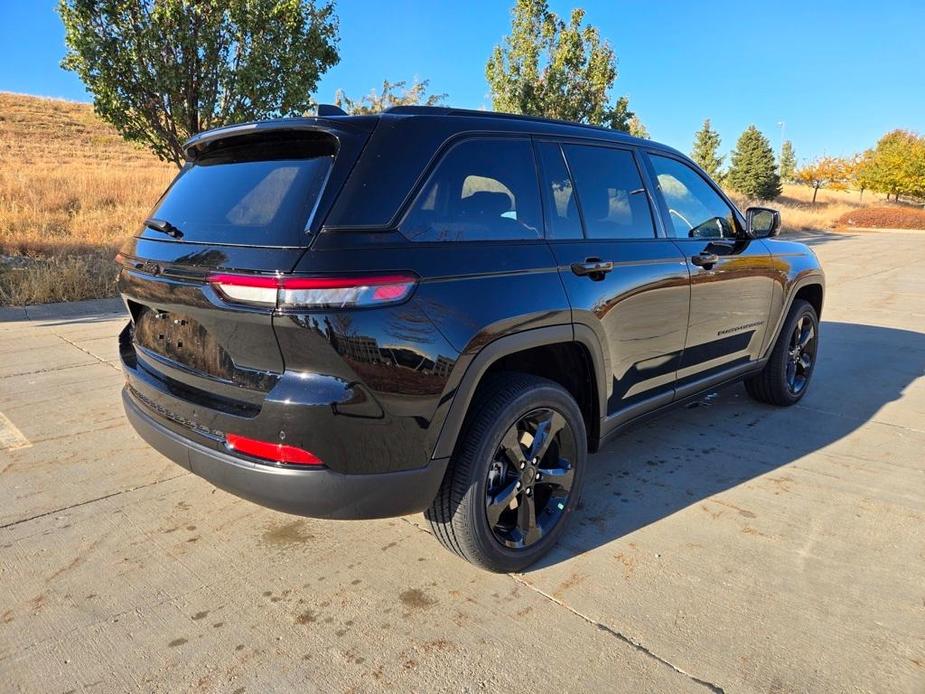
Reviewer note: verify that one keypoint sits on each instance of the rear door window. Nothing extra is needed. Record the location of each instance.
(614, 202)
(562, 218)
(482, 190)
(258, 194)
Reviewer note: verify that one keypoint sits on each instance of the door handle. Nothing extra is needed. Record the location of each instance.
(705, 259)
(595, 267)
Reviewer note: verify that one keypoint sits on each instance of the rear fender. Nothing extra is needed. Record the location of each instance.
(458, 396)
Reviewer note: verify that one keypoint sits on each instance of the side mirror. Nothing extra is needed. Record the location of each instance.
(761, 222)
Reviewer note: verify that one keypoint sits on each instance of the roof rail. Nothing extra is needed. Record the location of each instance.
(450, 111)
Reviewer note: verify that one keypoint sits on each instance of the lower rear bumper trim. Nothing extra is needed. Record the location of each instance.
(318, 493)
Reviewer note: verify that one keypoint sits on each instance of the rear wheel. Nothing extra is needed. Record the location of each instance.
(516, 474)
(785, 377)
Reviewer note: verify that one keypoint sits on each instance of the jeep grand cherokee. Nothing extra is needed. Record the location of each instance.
(445, 311)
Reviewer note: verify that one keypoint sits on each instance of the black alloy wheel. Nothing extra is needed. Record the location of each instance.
(802, 354)
(515, 478)
(785, 377)
(530, 478)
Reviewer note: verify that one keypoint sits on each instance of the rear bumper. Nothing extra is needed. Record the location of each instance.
(318, 493)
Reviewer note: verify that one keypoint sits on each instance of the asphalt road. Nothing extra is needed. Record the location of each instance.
(726, 546)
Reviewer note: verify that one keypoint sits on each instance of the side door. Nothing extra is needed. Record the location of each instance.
(624, 277)
(476, 230)
(732, 276)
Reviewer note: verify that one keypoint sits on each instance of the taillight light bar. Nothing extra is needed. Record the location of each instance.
(277, 452)
(313, 292)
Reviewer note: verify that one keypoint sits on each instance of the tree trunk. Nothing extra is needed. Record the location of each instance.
(815, 190)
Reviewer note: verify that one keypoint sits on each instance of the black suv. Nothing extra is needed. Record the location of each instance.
(444, 311)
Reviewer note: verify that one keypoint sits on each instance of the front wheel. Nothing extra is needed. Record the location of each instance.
(516, 475)
(785, 377)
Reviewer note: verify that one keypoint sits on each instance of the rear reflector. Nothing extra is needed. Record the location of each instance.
(313, 292)
(276, 452)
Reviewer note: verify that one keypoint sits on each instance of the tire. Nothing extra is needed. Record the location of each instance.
(785, 378)
(483, 474)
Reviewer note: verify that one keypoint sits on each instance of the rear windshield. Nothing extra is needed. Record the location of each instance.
(255, 194)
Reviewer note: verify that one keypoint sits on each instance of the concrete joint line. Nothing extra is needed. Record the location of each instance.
(45, 371)
(715, 688)
(88, 353)
(90, 501)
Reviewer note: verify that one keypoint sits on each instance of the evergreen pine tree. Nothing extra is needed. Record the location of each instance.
(753, 171)
(788, 162)
(705, 152)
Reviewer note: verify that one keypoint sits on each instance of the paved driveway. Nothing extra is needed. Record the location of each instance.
(726, 546)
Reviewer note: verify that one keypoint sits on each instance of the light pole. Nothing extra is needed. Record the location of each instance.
(780, 151)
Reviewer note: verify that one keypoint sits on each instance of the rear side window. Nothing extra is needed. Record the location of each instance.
(249, 194)
(696, 210)
(559, 200)
(482, 190)
(613, 200)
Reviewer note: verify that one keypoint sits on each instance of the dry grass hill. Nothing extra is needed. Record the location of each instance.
(70, 190)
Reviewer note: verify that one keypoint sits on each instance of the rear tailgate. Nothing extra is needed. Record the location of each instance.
(248, 201)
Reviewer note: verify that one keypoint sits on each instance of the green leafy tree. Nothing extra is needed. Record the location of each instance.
(392, 94)
(620, 117)
(864, 177)
(788, 161)
(706, 150)
(547, 67)
(162, 70)
(636, 128)
(753, 171)
(896, 166)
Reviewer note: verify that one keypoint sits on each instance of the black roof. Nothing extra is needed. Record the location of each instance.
(532, 124)
(333, 118)
(473, 113)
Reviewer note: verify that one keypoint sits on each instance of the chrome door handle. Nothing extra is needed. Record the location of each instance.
(592, 266)
(705, 259)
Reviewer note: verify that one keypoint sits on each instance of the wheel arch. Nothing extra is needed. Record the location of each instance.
(809, 287)
(812, 292)
(524, 352)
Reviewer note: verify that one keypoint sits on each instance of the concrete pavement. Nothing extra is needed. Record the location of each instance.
(727, 546)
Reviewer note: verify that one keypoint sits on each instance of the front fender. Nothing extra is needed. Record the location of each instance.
(798, 267)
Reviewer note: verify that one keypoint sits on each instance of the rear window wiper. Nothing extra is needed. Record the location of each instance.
(164, 226)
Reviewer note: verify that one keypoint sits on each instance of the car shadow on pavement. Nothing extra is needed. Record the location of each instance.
(657, 468)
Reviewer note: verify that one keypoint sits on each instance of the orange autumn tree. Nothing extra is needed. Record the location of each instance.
(825, 172)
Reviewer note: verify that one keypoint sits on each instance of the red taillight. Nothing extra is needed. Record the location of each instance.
(389, 292)
(276, 452)
(313, 292)
(259, 290)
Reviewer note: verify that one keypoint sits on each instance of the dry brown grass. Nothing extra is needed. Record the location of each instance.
(57, 277)
(71, 190)
(798, 212)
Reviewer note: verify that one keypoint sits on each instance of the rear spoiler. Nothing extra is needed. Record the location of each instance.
(338, 127)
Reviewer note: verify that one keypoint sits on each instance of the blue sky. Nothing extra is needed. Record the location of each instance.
(838, 74)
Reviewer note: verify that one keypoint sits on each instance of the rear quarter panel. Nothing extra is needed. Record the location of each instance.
(469, 295)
